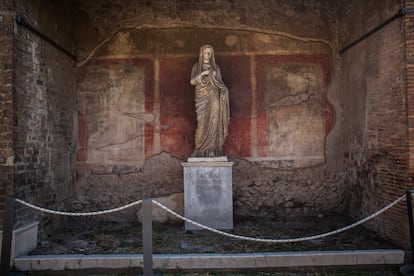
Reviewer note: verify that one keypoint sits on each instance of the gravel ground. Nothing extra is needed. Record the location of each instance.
(83, 235)
(88, 236)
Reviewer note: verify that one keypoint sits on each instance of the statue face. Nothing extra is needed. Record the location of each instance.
(207, 52)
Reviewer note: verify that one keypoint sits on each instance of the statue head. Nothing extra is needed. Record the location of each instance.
(206, 56)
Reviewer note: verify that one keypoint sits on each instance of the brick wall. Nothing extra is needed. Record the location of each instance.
(44, 110)
(408, 70)
(374, 128)
(6, 101)
(407, 27)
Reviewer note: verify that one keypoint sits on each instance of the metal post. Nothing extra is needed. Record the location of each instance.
(147, 235)
(410, 221)
(7, 236)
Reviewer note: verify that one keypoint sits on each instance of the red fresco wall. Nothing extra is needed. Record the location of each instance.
(236, 75)
(107, 64)
(169, 98)
(177, 116)
(261, 62)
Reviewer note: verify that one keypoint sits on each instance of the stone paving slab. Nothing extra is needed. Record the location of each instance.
(214, 261)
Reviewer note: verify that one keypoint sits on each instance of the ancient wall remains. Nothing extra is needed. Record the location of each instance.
(6, 101)
(312, 130)
(136, 108)
(374, 100)
(44, 109)
(408, 73)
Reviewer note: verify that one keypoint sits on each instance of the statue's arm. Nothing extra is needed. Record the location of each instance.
(217, 80)
(195, 77)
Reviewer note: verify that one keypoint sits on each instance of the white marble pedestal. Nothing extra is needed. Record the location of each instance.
(208, 192)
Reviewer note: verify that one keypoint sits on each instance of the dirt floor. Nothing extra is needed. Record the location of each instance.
(83, 235)
(86, 236)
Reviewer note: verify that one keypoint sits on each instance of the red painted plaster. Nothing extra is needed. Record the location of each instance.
(148, 72)
(177, 112)
(149, 140)
(235, 71)
(261, 130)
(148, 104)
(238, 141)
(323, 59)
(261, 63)
(330, 117)
(177, 115)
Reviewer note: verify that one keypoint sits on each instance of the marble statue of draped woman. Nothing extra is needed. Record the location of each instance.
(211, 105)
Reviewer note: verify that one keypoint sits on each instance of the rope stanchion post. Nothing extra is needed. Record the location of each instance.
(6, 247)
(147, 235)
(409, 195)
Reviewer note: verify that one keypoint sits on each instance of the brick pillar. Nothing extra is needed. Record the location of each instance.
(6, 101)
(408, 27)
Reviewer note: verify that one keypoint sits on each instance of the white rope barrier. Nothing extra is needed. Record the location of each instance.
(78, 214)
(215, 230)
(281, 240)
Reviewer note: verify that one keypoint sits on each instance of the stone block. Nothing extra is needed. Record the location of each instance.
(24, 239)
(268, 260)
(208, 192)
